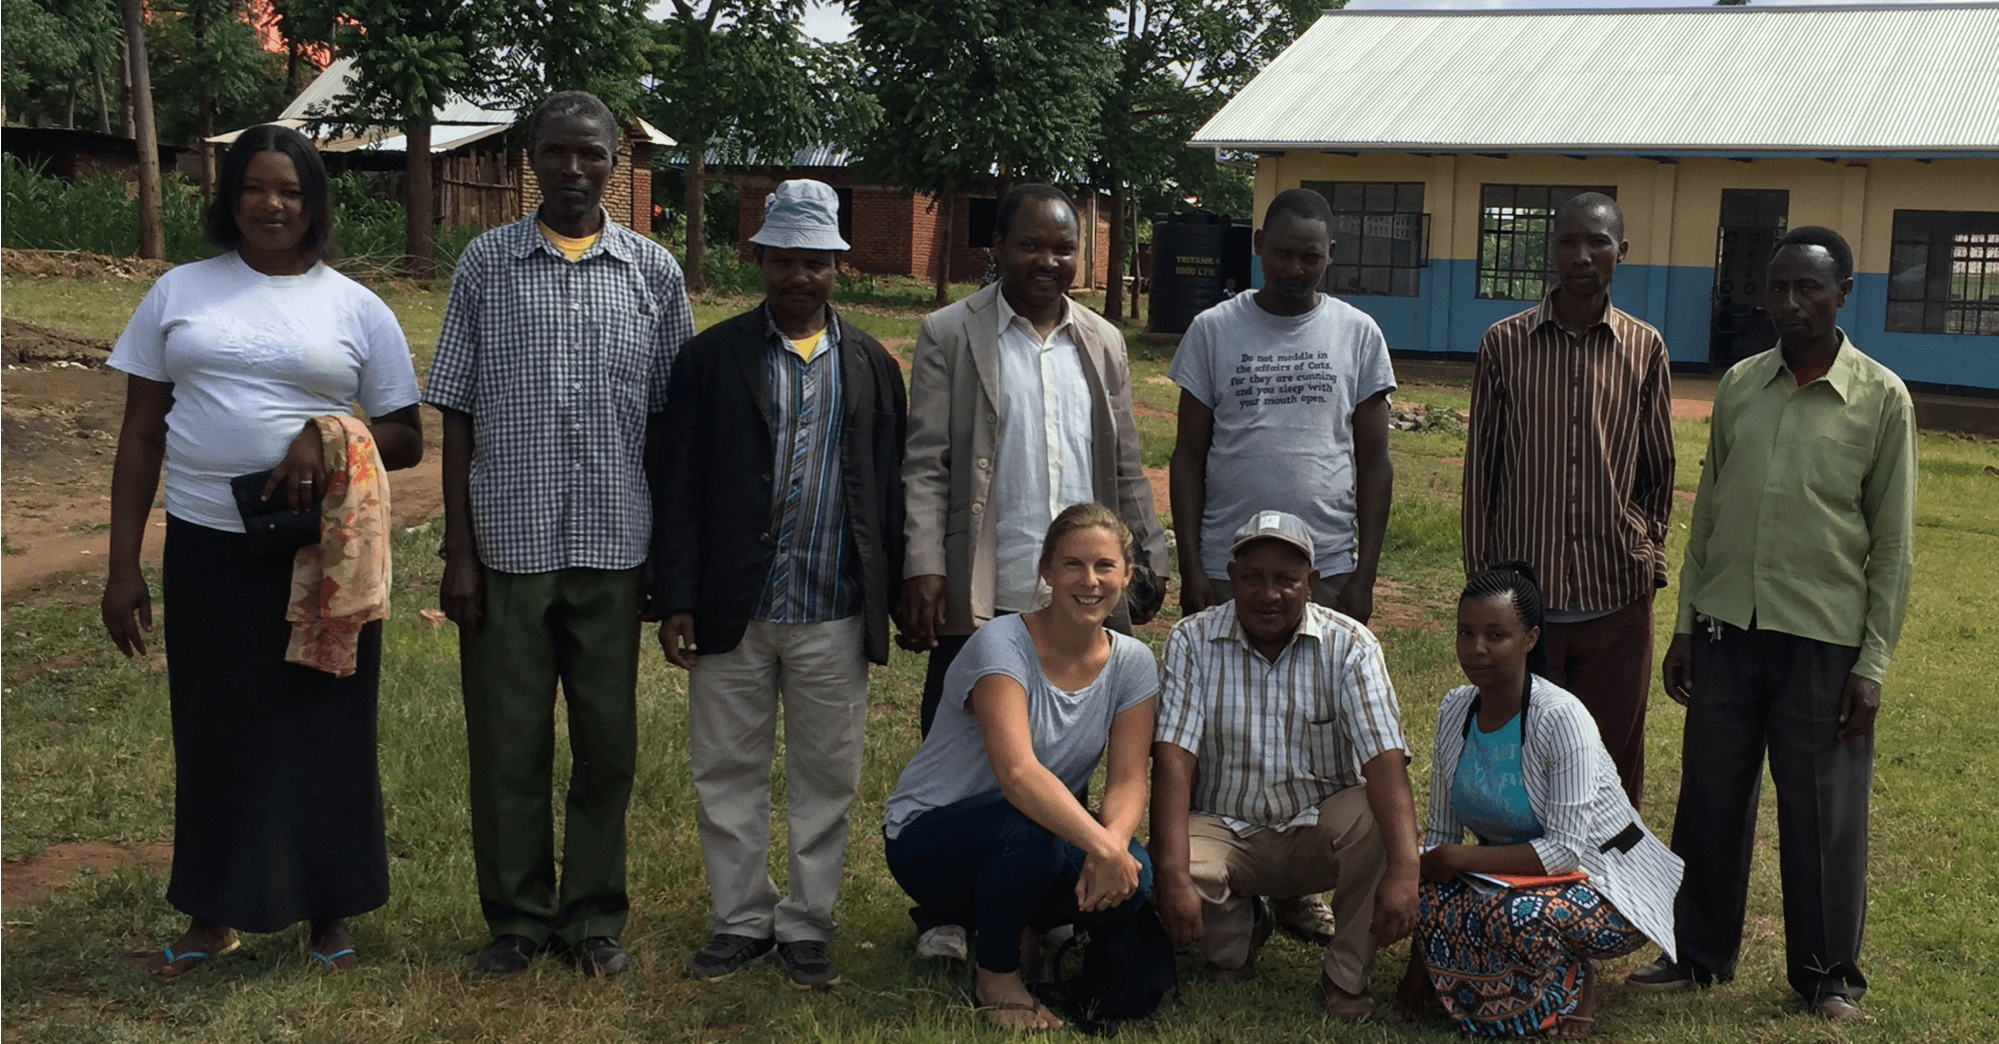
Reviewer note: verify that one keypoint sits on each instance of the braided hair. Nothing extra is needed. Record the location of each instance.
(1517, 583)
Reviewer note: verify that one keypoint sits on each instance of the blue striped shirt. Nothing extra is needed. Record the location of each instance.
(811, 579)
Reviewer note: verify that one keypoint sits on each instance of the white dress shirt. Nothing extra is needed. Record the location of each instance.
(1043, 463)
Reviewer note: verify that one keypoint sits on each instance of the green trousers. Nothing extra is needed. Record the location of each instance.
(580, 626)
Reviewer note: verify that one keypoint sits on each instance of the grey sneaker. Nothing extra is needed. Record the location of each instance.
(944, 942)
(726, 954)
(807, 963)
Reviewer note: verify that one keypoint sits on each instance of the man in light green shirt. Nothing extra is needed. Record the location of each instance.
(1792, 596)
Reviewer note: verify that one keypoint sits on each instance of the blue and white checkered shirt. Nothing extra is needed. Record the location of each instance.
(559, 365)
(1273, 741)
(811, 579)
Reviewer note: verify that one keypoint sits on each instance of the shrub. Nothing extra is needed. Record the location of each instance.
(98, 212)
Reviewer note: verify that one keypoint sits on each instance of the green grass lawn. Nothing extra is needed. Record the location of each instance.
(86, 756)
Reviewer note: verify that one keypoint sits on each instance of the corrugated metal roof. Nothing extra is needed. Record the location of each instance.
(1918, 80)
(318, 97)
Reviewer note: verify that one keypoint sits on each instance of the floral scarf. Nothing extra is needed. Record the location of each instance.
(342, 583)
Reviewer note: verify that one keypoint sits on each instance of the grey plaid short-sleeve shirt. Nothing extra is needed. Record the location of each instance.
(559, 365)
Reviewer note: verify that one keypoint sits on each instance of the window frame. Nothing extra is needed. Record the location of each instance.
(1953, 240)
(1348, 273)
(1495, 282)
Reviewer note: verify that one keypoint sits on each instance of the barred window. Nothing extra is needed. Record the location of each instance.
(1943, 273)
(1381, 237)
(1514, 222)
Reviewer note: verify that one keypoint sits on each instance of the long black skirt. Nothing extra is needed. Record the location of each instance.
(278, 803)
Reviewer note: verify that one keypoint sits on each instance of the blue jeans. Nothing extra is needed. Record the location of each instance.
(984, 863)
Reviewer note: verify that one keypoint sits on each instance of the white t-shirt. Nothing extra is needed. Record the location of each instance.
(252, 357)
(1283, 389)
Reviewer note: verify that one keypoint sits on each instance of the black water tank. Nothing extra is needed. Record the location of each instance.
(1187, 267)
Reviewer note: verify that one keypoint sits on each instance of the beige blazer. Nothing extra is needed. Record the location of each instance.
(947, 465)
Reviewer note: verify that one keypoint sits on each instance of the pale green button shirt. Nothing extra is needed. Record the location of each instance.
(1805, 521)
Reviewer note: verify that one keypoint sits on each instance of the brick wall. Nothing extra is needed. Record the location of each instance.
(641, 174)
(618, 195)
(895, 234)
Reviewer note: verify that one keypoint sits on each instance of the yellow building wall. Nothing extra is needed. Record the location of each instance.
(1672, 210)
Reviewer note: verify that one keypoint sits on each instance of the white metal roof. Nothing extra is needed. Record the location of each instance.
(1899, 79)
(318, 97)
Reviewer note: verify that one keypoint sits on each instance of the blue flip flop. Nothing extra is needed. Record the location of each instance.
(327, 959)
(196, 956)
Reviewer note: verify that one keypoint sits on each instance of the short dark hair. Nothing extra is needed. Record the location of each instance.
(564, 104)
(1003, 217)
(1820, 236)
(1304, 203)
(219, 225)
(1594, 202)
(1515, 581)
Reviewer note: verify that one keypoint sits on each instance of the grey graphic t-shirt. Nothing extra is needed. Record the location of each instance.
(1283, 389)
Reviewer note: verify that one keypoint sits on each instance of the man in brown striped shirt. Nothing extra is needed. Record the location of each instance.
(1569, 467)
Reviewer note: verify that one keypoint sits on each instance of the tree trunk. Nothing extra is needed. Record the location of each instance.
(205, 129)
(944, 246)
(1114, 276)
(697, 217)
(152, 234)
(419, 202)
(1135, 273)
(125, 91)
(103, 103)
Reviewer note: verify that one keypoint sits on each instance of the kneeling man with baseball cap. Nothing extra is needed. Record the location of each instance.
(779, 553)
(1279, 769)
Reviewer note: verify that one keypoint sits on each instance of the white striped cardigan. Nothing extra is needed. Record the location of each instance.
(1572, 786)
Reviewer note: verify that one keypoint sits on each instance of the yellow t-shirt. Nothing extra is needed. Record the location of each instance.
(809, 347)
(572, 249)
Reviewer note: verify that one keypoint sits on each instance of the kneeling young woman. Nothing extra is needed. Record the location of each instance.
(1518, 762)
(984, 828)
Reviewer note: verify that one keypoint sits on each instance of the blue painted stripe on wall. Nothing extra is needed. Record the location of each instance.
(1448, 317)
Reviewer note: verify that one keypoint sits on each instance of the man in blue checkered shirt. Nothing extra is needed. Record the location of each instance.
(551, 372)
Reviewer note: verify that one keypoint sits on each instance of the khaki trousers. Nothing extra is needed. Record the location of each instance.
(818, 672)
(1341, 853)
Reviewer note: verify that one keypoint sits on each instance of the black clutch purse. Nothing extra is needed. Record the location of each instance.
(272, 527)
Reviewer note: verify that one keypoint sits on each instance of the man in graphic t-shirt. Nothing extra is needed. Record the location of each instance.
(1284, 405)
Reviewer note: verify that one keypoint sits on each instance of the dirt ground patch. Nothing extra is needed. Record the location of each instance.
(60, 410)
(78, 264)
(47, 872)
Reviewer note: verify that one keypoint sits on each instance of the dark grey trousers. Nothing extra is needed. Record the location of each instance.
(1754, 690)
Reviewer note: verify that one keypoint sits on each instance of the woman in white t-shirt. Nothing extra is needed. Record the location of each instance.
(278, 805)
(985, 827)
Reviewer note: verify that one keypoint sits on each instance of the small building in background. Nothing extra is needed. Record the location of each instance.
(71, 153)
(480, 174)
(1446, 139)
(894, 233)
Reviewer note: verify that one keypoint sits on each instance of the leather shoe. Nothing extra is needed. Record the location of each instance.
(1662, 976)
(1344, 1006)
(1838, 1007)
(598, 955)
(507, 956)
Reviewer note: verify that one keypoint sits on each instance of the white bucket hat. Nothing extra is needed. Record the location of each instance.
(801, 215)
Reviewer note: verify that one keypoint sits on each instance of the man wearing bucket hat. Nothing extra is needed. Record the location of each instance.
(778, 555)
(1279, 768)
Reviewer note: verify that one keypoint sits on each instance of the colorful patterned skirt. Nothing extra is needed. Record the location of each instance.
(1510, 963)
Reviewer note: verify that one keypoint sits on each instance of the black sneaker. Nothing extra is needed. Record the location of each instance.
(598, 955)
(807, 963)
(1662, 976)
(507, 956)
(726, 954)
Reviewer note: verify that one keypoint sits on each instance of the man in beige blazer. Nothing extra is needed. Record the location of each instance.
(994, 453)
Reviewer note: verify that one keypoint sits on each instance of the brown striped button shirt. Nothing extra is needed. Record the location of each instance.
(1273, 741)
(1569, 463)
